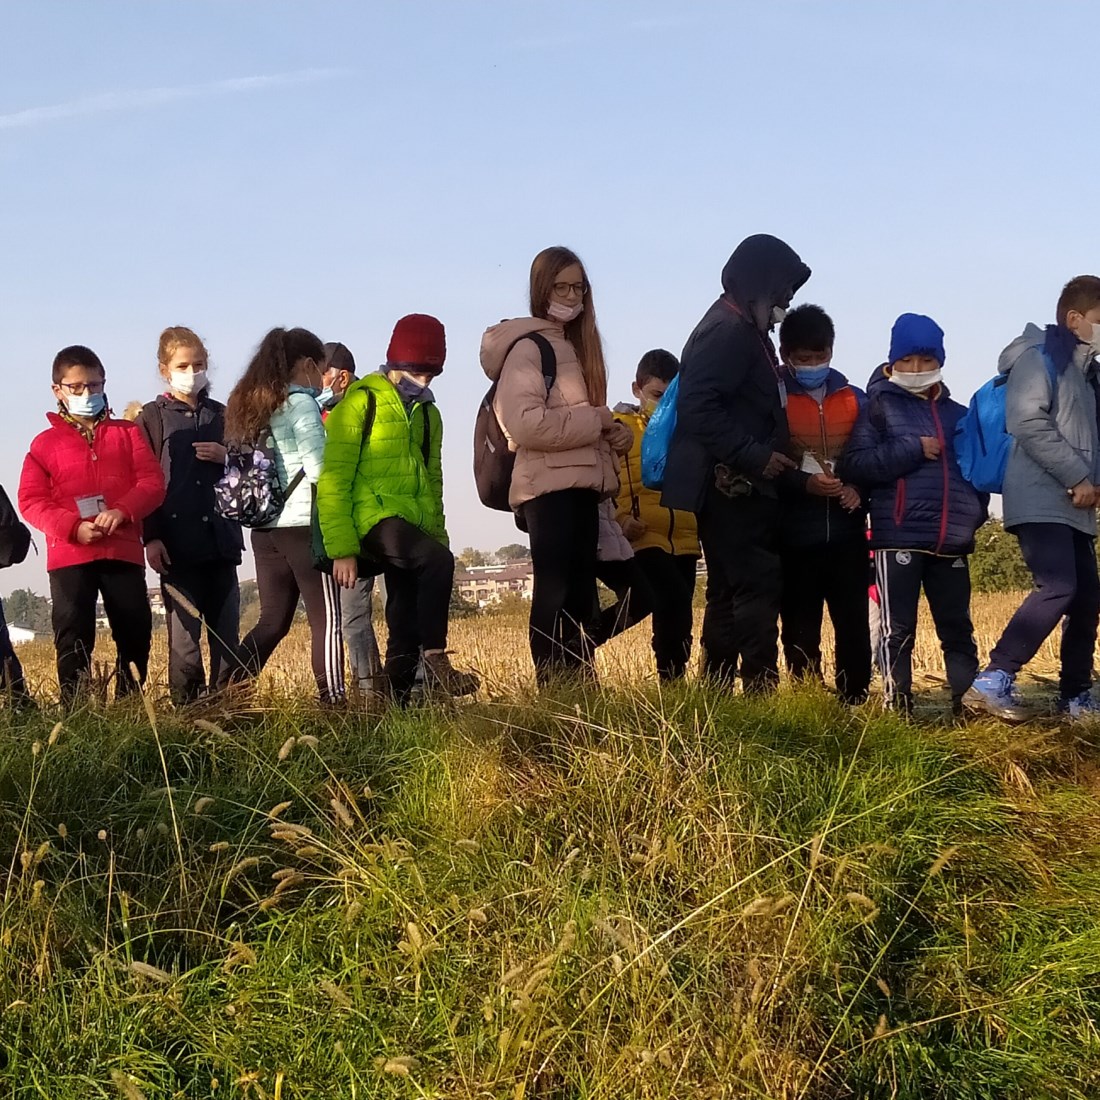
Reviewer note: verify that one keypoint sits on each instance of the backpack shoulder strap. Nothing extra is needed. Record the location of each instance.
(152, 420)
(549, 359)
(426, 442)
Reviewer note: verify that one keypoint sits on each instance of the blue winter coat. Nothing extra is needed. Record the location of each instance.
(916, 503)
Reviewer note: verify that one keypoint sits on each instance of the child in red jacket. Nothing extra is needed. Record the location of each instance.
(88, 482)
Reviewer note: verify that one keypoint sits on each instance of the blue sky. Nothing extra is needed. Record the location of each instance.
(237, 165)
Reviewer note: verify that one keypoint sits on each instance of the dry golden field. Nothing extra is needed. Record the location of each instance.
(496, 645)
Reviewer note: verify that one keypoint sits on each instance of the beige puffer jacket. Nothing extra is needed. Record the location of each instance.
(557, 436)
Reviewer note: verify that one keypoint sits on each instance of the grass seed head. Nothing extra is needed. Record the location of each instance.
(942, 860)
(125, 1087)
(219, 846)
(204, 804)
(286, 748)
(279, 809)
(62, 830)
(153, 973)
(55, 733)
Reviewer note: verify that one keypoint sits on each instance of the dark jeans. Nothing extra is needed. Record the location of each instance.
(193, 595)
(419, 573)
(946, 582)
(75, 590)
(633, 599)
(11, 671)
(564, 529)
(744, 583)
(832, 576)
(672, 582)
(284, 571)
(1063, 566)
(357, 607)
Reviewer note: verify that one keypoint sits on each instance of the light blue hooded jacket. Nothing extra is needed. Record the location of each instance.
(298, 441)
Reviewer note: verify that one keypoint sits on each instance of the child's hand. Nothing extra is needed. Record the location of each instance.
(156, 554)
(931, 446)
(110, 521)
(850, 498)
(633, 528)
(776, 465)
(620, 437)
(210, 452)
(822, 485)
(1083, 494)
(345, 572)
(87, 533)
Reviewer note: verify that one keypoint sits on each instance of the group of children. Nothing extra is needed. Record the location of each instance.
(358, 468)
(358, 462)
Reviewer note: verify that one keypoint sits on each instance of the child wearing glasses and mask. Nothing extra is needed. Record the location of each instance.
(88, 482)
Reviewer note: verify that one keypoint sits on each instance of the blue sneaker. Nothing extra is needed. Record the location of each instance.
(994, 692)
(1081, 708)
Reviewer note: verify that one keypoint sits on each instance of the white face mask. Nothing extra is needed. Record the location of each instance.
(1094, 340)
(777, 315)
(916, 381)
(187, 382)
(562, 313)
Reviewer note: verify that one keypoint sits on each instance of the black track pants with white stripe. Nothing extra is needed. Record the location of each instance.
(901, 574)
(284, 571)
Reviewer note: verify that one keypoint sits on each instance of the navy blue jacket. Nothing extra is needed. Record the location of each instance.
(187, 524)
(916, 503)
(730, 409)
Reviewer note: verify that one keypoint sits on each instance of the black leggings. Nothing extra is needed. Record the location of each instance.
(284, 571)
(564, 529)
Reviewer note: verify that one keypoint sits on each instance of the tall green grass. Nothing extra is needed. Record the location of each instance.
(625, 895)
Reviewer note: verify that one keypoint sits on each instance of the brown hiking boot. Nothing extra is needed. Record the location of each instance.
(441, 676)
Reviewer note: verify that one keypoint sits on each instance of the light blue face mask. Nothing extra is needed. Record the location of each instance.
(413, 391)
(326, 397)
(812, 377)
(86, 404)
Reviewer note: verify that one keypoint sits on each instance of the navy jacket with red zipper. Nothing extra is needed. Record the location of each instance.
(916, 503)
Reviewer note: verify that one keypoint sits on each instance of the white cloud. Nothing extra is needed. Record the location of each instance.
(143, 98)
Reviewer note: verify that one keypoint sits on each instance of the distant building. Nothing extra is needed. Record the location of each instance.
(21, 634)
(485, 584)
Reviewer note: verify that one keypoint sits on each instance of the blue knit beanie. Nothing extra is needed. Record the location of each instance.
(915, 334)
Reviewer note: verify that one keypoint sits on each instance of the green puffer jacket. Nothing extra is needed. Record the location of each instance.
(366, 480)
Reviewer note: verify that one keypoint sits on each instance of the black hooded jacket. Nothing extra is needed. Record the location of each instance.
(729, 408)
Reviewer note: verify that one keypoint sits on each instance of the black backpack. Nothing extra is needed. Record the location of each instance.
(15, 536)
(494, 461)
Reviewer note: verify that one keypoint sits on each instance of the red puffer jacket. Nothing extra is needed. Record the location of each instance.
(62, 467)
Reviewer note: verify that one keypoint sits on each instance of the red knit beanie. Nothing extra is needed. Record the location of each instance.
(419, 343)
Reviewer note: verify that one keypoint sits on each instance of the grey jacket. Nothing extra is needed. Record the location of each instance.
(1054, 448)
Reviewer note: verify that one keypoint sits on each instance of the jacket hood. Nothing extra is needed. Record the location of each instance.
(498, 340)
(763, 272)
(1032, 337)
(880, 379)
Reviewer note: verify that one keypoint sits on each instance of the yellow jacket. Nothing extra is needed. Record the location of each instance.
(673, 532)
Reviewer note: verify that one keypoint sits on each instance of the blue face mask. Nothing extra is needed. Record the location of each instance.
(812, 377)
(86, 404)
(326, 397)
(412, 391)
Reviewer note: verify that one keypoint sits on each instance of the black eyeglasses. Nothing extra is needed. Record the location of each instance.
(77, 389)
(562, 289)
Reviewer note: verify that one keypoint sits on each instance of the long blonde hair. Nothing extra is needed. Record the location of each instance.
(582, 332)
